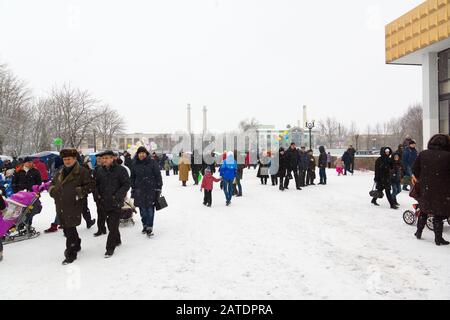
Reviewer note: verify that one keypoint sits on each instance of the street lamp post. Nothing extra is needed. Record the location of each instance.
(310, 126)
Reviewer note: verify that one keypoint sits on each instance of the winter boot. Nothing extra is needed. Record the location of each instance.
(144, 230)
(438, 227)
(149, 232)
(70, 257)
(109, 254)
(99, 233)
(374, 202)
(53, 228)
(78, 246)
(421, 223)
(90, 223)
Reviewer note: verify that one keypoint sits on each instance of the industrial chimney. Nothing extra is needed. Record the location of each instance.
(205, 119)
(189, 118)
(305, 117)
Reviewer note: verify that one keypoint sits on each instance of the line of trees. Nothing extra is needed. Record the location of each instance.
(30, 124)
(335, 134)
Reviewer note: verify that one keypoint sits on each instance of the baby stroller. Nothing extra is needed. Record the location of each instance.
(14, 220)
(126, 214)
(410, 217)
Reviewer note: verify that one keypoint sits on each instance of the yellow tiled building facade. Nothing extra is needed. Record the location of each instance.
(417, 29)
(422, 37)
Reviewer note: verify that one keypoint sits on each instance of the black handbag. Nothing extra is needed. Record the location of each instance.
(160, 203)
(376, 193)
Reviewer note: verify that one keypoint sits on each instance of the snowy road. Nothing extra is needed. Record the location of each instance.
(325, 242)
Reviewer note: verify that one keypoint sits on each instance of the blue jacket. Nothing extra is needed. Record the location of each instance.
(228, 169)
(408, 157)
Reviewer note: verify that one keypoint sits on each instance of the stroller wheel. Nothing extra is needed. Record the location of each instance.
(430, 223)
(409, 217)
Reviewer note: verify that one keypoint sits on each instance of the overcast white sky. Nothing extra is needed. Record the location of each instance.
(240, 58)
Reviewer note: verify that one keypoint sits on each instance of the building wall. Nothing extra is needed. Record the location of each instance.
(422, 26)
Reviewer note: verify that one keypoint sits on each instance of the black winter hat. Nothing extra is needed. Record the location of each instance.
(28, 159)
(142, 149)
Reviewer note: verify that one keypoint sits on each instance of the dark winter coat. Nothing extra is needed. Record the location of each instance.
(282, 164)
(146, 180)
(128, 161)
(303, 160)
(69, 192)
(352, 152)
(312, 163)
(25, 180)
(196, 162)
(322, 157)
(292, 159)
(397, 171)
(408, 157)
(240, 171)
(347, 158)
(432, 170)
(383, 168)
(112, 185)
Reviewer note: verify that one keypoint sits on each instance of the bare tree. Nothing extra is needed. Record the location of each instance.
(329, 128)
(75, 113)
(15, 98)
(248, 124)
(354, 134)
(368, 136)
(413, 123)
(108, 123)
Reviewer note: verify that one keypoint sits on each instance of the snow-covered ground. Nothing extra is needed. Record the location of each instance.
(325, 242)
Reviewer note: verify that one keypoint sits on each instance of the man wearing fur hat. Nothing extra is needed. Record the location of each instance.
(69, 188)
(112, 185)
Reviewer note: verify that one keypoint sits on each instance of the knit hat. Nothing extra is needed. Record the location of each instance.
(142, 149)
(208, 170)
(412, 142)
(28, 159)
(68, 153)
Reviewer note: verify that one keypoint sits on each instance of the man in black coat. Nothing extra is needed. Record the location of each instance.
(292, 156)
(146, 186)
(352, 151)
(26, 177)
(303, 162)
(282, 167)
(347, 159)
(23, 180)
(383, 168)
(112, 185)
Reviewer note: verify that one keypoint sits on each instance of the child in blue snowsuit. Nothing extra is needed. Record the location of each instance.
(228, 171)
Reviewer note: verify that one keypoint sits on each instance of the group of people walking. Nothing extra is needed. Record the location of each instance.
(109, 182)
(294, 164)
(427, 173)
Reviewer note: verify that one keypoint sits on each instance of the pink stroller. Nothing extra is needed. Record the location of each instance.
(18, 211)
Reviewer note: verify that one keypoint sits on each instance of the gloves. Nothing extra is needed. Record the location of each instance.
(157, 193)
(35, 188)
